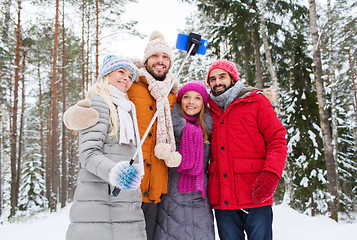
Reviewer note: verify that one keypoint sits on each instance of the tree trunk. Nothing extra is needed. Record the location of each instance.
(1, 132)
(13, 128)
(48, 164)
(97, 39)
(54, 126)
(19, 155)
(82, 50)
(333, 84)
(64, 184)
(257, 59)
(324, 115)
(88, 47)
(354, 90)
(268, 55)
(42, 147)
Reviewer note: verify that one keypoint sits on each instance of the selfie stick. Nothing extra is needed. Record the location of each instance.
(116, 190)
(161, 106)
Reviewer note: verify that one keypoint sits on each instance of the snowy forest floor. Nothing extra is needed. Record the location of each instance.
(288, 225)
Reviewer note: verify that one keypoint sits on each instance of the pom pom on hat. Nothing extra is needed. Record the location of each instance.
(112, 62)
(226, 66)
(157, 44)
(156, 34)
(196, 86)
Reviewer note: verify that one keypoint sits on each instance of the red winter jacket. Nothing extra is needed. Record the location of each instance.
(247, 139)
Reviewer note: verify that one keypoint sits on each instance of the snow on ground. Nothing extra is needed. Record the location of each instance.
(288, 225)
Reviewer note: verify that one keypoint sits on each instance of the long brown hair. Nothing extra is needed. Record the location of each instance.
(201, 120)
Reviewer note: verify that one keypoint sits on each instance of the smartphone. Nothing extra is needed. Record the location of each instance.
(184, 42)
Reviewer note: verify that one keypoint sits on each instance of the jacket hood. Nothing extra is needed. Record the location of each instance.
(269, 93)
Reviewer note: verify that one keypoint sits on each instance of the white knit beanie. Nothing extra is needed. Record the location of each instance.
(157, 44)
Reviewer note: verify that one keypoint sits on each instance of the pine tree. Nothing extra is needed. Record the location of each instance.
(305, 166)
(340, 40)
(32, 180)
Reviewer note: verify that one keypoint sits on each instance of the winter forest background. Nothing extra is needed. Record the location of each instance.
(303, 49)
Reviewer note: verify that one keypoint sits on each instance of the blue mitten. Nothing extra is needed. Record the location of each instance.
(124, 176)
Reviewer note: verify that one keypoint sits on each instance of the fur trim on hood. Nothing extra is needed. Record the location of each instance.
(269, 93)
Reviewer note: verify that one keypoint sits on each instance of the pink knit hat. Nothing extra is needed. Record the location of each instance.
(226, 66)
(196, 86)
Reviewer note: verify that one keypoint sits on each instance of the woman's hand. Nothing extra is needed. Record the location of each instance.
(124, 176)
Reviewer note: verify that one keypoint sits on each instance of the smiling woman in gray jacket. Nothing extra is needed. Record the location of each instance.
(105, 150)
(184, 212)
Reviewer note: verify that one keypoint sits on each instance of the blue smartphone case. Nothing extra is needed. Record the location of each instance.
(181, 44)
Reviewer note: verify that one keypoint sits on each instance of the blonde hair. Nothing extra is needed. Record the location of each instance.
(101, 89)
(201, 121)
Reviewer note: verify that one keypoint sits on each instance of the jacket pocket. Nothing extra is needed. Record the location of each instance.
(213, 184)
(246, 171)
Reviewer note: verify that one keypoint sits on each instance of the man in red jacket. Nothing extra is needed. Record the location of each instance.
(248, 152)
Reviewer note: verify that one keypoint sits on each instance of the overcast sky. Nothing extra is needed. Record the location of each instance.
(165, 16)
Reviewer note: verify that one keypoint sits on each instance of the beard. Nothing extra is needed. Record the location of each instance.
(158, 76)
(225, 88)
(216, 93)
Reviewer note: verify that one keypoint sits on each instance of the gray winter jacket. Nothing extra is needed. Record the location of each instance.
(185, 216)
(96, 214)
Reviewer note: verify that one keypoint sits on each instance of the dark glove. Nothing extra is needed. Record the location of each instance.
(124, 176)
(264, 187)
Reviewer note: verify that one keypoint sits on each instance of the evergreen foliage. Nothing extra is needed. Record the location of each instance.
(232, 29)
(230, 26)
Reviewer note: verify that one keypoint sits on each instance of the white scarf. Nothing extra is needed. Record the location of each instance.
(128, 125)
(124, 108)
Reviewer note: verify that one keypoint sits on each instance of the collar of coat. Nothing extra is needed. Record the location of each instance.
(246, 95)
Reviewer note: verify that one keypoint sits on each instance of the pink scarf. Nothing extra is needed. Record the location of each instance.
(191, 149)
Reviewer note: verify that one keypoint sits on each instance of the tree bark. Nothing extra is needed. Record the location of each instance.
(97, 39)
(257, 59)
(64, 184)
(268, 56)
(82, 50)
(42, 147)
(13, 126)
(324, 115)
(333, 84)
(54, 126)
(21, 129)
(1, 132)
(354, 90)
(48, 163)
(88, 47)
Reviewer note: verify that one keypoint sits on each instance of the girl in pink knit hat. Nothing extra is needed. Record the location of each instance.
(185, 212)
